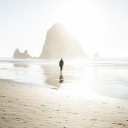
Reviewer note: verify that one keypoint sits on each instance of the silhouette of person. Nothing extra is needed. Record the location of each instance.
(61, 63)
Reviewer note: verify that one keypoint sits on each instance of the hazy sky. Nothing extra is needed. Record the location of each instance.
(100, 25)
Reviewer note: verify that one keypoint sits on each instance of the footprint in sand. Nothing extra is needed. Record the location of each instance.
(17, 118)
(119, 124)
(93, 119)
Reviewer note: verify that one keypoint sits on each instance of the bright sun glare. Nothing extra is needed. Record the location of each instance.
(80, 19)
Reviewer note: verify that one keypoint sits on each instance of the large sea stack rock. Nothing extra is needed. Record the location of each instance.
(18, 55)
(60, 43)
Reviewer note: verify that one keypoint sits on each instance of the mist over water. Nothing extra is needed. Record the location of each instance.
(80, 78)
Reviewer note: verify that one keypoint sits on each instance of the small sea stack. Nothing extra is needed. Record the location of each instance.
(18, 55)
(96, 55)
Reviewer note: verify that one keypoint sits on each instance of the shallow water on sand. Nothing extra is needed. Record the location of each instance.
(81, 78)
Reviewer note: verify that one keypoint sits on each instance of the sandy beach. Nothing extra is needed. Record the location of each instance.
(26, 106)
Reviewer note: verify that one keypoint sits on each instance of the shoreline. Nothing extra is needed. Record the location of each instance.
(50, 89)
(23, 105)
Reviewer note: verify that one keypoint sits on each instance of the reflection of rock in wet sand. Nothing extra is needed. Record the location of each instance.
(70, 77)
(20, 65)
(53, 76)
(51, 73)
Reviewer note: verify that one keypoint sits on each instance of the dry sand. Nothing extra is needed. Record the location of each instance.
(26, 106)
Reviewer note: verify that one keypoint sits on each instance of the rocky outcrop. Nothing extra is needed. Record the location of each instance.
(96, 55)
(18, 55)
(60, 43)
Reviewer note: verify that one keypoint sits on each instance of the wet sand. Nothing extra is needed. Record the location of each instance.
(26, 106)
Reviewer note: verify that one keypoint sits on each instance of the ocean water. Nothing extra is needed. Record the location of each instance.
(80, 78)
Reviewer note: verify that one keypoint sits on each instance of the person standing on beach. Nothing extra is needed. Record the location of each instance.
(61, 63)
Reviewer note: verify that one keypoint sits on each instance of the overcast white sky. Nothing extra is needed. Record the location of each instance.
(100, 25)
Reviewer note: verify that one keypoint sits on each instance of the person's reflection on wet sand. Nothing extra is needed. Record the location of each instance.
(61, 78)
(54, 78)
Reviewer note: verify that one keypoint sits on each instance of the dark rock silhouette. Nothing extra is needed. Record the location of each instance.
(60, 43)
(96, 55)
(18, 55)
